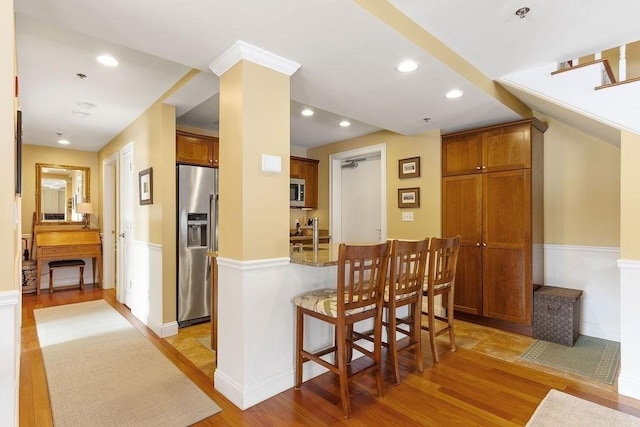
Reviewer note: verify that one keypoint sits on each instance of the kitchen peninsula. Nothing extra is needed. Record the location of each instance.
(263, 298)
(326, 255)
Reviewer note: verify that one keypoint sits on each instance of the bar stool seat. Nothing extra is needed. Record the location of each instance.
(66, 263)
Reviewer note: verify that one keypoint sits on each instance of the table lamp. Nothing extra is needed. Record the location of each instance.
(86, 209)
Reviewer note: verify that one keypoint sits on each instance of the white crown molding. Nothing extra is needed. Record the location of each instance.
(243, 50)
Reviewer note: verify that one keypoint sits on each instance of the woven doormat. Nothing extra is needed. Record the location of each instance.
(590, 357)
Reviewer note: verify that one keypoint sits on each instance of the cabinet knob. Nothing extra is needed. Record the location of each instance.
(478, 244)
(484, 167)
(210, 161)
(484, 244)
(478, 168)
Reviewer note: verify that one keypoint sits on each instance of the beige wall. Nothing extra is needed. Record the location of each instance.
(254, 117)
(146, 134)
(10, 244)
(427, 147)
(630, 197)
(153, 138)
(32, 154)
(581, 188)
(581, 179)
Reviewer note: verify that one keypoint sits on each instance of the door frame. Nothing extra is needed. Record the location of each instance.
(335, 187)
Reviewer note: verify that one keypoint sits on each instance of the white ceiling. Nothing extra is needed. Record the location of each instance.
(347, 56)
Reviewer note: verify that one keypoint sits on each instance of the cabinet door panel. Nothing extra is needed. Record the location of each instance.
(194, 149)
(462, 204)
(295, 168)
(467, 294)
(506, 257)
(507, 293)
(462, 155)
(506, 149)
(310, 175)
(216, 152)
(507, 208)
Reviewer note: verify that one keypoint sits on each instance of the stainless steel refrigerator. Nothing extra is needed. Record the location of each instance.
(197, 218)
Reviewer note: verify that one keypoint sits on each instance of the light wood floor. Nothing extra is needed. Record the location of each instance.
(467, 387)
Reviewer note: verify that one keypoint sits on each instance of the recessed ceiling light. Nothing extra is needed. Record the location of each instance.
(307, 112)
(107, 60)
(63, 142)
(455, 93)
(407, 66)
(345, 123)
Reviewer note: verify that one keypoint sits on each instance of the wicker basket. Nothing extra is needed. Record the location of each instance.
(29, 277)
(556, 315)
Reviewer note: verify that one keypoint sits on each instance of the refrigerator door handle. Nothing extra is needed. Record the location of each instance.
(211, 222)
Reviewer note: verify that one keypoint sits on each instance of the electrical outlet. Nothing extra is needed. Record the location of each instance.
(407, 216)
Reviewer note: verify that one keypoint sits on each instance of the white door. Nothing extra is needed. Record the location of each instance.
(109, 183)
(357, 198)
(361, 192)
(125, 227)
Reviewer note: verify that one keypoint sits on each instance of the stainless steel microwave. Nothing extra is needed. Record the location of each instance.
(296, 193)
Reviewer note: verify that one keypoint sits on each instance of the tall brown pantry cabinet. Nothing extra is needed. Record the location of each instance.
(492, 195)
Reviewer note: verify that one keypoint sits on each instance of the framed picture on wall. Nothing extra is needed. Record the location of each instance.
(409, 197)
(145, 184)
(409, 168)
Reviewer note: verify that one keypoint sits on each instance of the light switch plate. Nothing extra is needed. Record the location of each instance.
(271, 163)
(407, 216)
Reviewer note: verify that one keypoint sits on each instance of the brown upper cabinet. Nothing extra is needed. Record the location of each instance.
(492, 197)
(306, 169)
(200, 150)
(493, 149)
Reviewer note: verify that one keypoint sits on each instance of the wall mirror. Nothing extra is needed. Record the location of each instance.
(59, 189)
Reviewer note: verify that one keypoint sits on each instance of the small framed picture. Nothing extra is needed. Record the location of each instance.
(145, 182)
(409, 168)
(409, 197)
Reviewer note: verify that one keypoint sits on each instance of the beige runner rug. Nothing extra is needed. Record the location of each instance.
(102, 371)
(561, 409)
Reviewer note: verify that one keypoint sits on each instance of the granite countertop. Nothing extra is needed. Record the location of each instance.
(327, 255)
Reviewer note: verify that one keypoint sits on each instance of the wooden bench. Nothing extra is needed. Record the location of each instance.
(66, 263)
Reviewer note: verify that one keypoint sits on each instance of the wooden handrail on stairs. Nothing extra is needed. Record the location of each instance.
(633, 80)
(608, 78)
(604, 62)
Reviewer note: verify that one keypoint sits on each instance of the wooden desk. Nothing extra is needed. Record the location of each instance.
(60, 244)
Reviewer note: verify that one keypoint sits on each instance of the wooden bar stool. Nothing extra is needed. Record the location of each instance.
(440, 279)
(66, 263)
(408, 262)
(361, 277)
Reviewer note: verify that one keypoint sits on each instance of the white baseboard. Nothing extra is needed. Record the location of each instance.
(252, 394)
(168, 329)
(10, 315)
